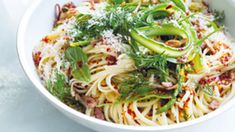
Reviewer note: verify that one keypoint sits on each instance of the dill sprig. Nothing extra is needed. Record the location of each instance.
(157, 62)
(134, 87)
(207, 89)
(59, 86)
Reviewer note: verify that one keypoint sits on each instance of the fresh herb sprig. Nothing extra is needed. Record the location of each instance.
(59, 86)
(78, 61)
(157, 62)
(207, 89)
(170, 103)
(134, 87)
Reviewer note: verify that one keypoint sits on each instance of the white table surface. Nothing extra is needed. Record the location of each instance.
(23, 109)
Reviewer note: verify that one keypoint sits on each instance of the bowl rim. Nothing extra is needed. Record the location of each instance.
(61, 106)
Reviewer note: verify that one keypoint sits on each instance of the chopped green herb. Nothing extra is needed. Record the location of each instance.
(78, 61)
(207, 89)
(157, 62)
(59, 86)
(134, 87)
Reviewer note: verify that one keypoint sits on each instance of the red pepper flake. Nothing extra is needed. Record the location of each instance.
(187, 13)
(45, 39)
(111, 60)
(207, 80)
(226, 78)
(37, 58)
(225, 58)
(108, 50)
(186, 102)
(116, 87)
(169, 7)
(132, 113)
(79, 64)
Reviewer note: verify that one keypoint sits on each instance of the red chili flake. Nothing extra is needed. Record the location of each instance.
(111, 60)
(79, 64)
(108, 50)
(45, 39)
(186, 102)
(224, 59)
(115, 87)
(169, 6)
(37, 58)
(207, 80)
(225, 78)
(187, 13)
(132, 113)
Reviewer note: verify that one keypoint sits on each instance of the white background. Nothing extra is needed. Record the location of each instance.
(23, 109)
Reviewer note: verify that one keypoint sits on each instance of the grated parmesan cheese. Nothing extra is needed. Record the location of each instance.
(114, 40)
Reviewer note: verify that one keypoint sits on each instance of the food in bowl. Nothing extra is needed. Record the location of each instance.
(141, 63)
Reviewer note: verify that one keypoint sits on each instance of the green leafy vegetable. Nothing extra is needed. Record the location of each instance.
(59, 87)
(78, 61)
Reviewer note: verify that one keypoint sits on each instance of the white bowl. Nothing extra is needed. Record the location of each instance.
(38, 21)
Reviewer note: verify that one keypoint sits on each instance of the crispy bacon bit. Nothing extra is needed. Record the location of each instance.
(111, 60)
(99, 114)
(186, 102)
(207, 80)
(169, 6)
(214, 105)
(167, 84)
(89, 101)
(37, 58)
